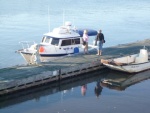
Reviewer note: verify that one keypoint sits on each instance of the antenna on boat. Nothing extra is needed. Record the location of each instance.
(63, 17)
(48, 20)
(74, 27)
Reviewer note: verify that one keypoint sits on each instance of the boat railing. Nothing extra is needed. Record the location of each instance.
(26, 44)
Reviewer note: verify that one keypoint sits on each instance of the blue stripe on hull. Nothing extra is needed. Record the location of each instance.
(48, 55)
(53, 55)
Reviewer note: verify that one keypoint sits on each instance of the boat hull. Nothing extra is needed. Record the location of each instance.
(35, 58)
(131, 64)
(131, 68)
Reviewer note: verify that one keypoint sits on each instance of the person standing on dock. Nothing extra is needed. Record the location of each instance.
(99, 41)
(85, 40)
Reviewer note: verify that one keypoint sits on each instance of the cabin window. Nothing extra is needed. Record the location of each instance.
(76, 41)
(70, 42)
(55, 41)
(43, 39)
(47, 40)
(66, 42)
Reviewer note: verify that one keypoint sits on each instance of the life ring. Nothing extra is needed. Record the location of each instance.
(41, 49)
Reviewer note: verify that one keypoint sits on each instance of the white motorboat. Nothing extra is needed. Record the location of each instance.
(62, 41)
(131, 64)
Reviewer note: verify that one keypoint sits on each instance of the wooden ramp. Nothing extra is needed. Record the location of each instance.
(25, 76)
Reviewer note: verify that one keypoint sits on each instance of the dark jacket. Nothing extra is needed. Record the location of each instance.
(99, 37)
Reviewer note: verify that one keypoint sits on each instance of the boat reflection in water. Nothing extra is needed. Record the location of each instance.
(120, 81)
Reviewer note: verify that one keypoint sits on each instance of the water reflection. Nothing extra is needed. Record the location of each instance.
(106, 78)
(61, 86)
(83, 89)
(120, 81)
(98, 89)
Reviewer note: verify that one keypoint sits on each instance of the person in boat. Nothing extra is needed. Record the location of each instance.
(85, 40)
(99, 41)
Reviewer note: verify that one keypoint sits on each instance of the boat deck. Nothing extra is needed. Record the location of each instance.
(24, 76)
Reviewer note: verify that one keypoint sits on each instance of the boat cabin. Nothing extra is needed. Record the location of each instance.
(61, 36)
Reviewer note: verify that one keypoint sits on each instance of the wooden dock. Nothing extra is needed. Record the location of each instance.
(51, 88)
(26, 76)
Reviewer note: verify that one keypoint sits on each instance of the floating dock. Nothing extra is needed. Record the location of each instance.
(26, 76)
(51, 88)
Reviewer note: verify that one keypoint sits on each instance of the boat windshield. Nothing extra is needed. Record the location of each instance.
(46, 39)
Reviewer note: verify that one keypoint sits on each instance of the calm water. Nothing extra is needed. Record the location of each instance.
(27, 20)
(84, 94)
(121, 21)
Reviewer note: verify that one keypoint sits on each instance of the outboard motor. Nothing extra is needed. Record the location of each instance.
(143, 56)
